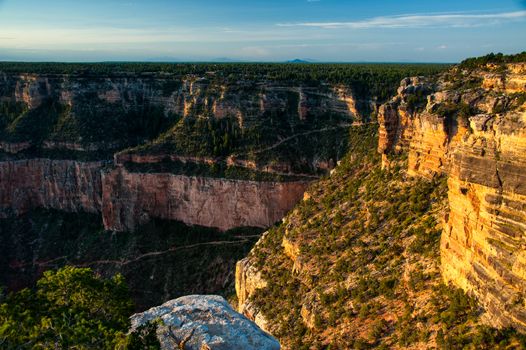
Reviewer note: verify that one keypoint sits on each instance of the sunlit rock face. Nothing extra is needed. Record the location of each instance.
(473, 129)
(483, 241)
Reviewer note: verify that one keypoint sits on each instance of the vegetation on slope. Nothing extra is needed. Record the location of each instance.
(71, 309)
(356, 265)
(88, 121)
(218, 169)
(277, 138)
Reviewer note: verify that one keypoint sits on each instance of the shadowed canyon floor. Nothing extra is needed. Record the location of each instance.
(160, 261)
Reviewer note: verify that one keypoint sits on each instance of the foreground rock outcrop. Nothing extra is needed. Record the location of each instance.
(204, 322)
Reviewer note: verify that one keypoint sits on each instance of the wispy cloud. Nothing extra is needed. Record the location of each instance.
(418, 21)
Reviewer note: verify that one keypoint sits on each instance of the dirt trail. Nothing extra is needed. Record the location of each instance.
(159, 253)
(52, 262)
(279, 143)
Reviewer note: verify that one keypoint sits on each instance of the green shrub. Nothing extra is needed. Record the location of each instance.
(70, 308)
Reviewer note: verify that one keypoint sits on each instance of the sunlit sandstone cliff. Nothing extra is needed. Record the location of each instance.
(468, 126)
(472, 127)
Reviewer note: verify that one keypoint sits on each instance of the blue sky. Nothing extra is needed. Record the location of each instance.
(255, 30)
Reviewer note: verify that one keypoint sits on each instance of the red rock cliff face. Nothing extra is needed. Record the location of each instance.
(55, 184)
(127, 200)
(477, 137)
(130, 199)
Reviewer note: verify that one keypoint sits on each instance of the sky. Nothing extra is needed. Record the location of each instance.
(259, 30)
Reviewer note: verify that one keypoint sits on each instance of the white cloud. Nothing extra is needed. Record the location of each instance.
(35, 37)
(418, 21)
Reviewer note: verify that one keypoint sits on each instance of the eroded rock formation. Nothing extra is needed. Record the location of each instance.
(127, 200)
(473, 129)
(52, 117)
(43, 183)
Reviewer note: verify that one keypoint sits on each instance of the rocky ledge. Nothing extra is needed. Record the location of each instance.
(204, 323)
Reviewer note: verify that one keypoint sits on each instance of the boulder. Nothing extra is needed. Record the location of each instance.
(199, 322)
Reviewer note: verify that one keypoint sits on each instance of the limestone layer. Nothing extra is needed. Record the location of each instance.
(130, 199)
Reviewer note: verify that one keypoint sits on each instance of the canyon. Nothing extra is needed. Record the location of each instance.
(173, 175)
(125, 199)
(462, 133)
(387, 221)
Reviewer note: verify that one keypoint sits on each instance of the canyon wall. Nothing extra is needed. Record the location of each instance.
(44, 183)
(484, 241)
(46, 118)
(186, 95)
(131, 199)
(127, 200)
(475, 134)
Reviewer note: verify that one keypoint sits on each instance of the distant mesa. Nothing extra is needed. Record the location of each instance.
(298, 60)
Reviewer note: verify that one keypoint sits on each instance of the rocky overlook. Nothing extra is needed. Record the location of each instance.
(199, 322)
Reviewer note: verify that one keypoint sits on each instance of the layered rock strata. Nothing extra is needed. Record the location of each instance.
(183, 95)
(131, 199)
(127, 200)
(54, 184)
(476, 135)
(48, 116)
